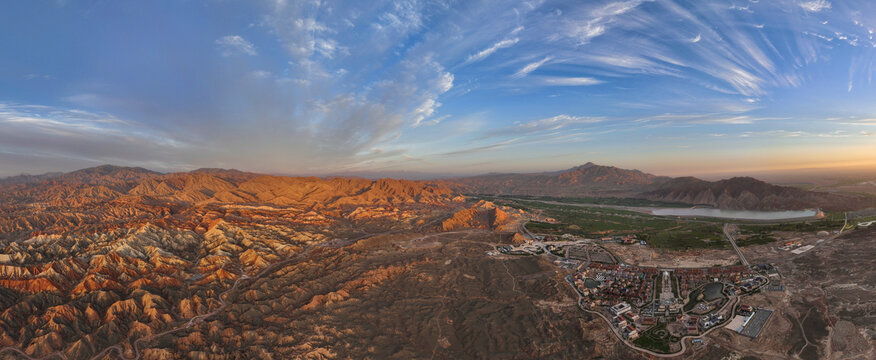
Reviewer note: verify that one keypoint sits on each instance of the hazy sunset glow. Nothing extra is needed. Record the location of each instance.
(438, 87)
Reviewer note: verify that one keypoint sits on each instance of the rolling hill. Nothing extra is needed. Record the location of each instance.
(591, 180)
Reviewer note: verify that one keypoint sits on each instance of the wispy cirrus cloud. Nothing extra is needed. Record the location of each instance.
(231, 45)
(360, 83)
(815, 5)
(531, 67)
(483, 148)
(85, 138)
(802, 134)
(483, 54)
(858, 121)
(572, 81)
(728, 118)
(600, 20)
(552, 123)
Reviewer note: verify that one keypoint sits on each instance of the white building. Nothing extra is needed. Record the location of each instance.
(620, 308)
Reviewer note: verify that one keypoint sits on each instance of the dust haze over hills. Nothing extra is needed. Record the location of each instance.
(214, 264)
(591, 180)
(113, 262)
(95, 260)
(588, 180)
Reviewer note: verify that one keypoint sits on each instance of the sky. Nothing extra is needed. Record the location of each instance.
(417, 88)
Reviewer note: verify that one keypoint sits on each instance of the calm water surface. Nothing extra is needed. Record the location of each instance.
(735, 214)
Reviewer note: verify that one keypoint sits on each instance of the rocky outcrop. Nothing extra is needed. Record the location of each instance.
(483, 215)
(518, 239)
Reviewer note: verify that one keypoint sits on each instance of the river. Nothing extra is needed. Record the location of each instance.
(735, 214)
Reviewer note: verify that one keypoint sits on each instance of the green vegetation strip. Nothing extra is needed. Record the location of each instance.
(654, 339)
(595, 222)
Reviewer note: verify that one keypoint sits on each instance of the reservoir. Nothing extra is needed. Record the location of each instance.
(713, 291)
(590, 283)
(735, 214)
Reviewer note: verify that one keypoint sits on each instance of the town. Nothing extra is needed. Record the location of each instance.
(655, 309)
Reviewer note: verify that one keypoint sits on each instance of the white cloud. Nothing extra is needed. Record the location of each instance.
(86, 138)
(445, 82)
(815, 6)
(442, 84)
(235, 45)
(531, 67)
(425, 110)
(800, 134)
(404, 17)
(706, 119)
(483, 54)
(697, 38)
(600, 19)
(545, 125)
(571, 81)
(859, 122)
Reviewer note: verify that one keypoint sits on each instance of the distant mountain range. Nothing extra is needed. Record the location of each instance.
(592, 180)
(132, 184)
(589, 180)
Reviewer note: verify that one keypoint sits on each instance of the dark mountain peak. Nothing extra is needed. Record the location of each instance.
(215, 170)
(742, 180)
(601, 174)
(106, 175)
(107, 169)
(585, 180)
(28, 178)
(232, 175)
(587, 165)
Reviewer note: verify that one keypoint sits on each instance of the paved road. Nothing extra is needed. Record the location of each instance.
(733, 242)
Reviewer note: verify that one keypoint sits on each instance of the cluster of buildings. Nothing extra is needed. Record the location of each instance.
(708, 321)
(626, 239)
(630, 324)
(691, 324)
(637, 298)
(690, 279)
(607, 284)
(750, 321)
(625, 320)
(544, 219)
(610, 283)
(546, 238)
(791, 245)
(749, 284)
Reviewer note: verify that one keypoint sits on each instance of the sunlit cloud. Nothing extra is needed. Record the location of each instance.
(313, 87)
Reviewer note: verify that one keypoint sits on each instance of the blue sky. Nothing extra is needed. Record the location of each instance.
(444, 87)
